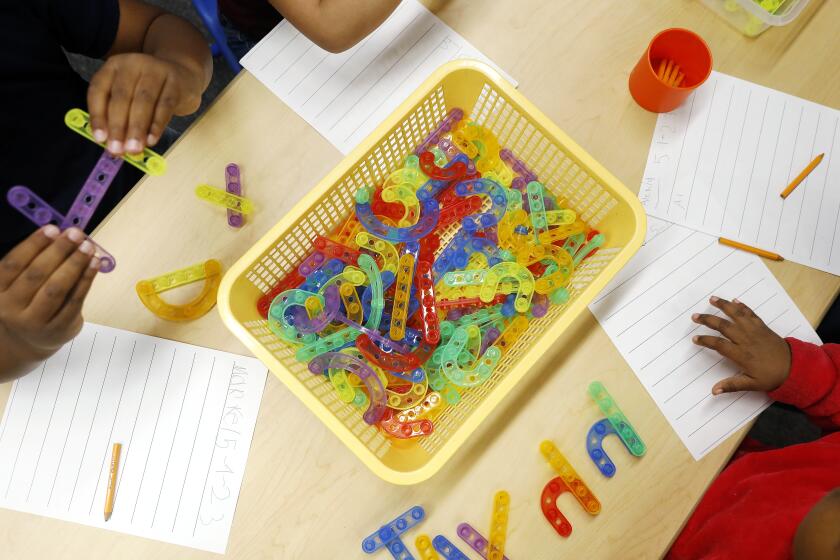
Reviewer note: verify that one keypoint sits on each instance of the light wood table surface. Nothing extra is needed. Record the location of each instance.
(304, 494)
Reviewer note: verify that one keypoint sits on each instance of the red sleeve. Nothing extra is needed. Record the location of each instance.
(813, 385)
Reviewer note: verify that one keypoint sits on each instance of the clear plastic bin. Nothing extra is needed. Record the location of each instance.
(751, 19)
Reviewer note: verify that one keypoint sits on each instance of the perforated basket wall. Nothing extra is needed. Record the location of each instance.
(578, 181)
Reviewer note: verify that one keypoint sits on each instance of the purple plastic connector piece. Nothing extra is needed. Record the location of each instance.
(92, 192)
(233, 185)
(40, 213)
(448, 148)
(517, 165)
(473, 538)
(488, 339)
(391, 531)
(386, 344)
(452, 117)
(311, 263)
(539, 305)
(378, 400)
(332, 303)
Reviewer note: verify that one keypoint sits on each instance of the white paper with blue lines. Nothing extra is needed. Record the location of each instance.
(184, 415)
(646, 310)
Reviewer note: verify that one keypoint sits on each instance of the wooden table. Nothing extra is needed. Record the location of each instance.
(304, 494)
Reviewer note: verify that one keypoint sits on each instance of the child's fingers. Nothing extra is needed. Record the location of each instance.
(739, 382)
(142, 110)
(720, 345)
(27, 284)
(74, 302)
(164, 110)
(714, 322)
(52, 295)
(735, 310)
(118, 106)
(16, 260)
(98, 95)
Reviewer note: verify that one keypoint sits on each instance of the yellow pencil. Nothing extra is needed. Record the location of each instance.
(750, 249)
(112, 481)
(801, 176)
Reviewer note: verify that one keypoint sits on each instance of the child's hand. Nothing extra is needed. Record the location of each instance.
(762, 355)
(133, 96)
(43, 283)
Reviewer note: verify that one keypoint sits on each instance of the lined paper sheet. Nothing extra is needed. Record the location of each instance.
(646, 310)
(345, 96)
(183, 414)
(719, 162)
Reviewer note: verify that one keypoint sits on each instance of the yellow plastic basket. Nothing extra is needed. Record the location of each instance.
(566, 169)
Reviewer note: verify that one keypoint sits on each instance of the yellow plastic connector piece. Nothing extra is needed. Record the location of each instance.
(425, 548)
(399, 314)
(515, 272)
(409, 399)
(147, 162)
(575, 483)
(383, 248)
(562, 232)
(350, 298)
(560, 217)
(498, 526)
(149, 290)
(347, 234)
(224, 199)
(511, 334)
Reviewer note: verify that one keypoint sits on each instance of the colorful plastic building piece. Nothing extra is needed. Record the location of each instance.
(473, 538)
(391, 531)
(429, 212)
(404, 400)
(405, 430)
(391, 361)
(517, 165)
(385, 249)
(224, 199)
(548, 504)
(210, 271)
(92, 192)
(377, 304)
(233, 185)
(425, 548)
(483, 367)
(617, 418)
(334, 250)
(498, 526)
(337, 360)
(446, 124)
(494, 192)
(428, 308)
(40, 213)
(447, 549)
(570, 477)
(515, 272)
(147, 162)
(329, 343)
(539, 222)
(399, 313)
(451, 173)
(429, 404)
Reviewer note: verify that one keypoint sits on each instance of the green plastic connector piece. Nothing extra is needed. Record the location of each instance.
(483, 367)
(617, 418)
(536, 201)
(147, 162)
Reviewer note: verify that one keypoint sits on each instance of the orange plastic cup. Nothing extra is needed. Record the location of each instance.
(686, 49)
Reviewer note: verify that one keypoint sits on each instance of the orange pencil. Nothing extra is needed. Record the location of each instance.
(750, 249)
(112, 481)
(801, 176)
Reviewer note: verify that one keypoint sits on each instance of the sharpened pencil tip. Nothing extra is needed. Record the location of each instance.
(107, 516)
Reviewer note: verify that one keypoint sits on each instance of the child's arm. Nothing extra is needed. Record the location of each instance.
(43, 284)
(158, 65)
(792, 371)
(335, 25)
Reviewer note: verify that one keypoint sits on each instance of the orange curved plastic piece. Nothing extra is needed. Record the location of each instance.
(209, 271)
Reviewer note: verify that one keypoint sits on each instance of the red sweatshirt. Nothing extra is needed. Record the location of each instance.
(752, 510)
